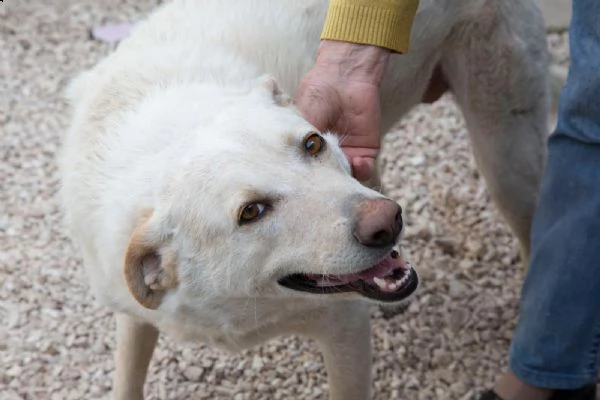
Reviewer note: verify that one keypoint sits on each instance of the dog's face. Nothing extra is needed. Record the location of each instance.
(264, 206)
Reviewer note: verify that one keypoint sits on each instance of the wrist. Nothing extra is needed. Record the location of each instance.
(353, 61)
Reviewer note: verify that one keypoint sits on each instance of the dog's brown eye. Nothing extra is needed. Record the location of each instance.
(314, 144)
(251, 212)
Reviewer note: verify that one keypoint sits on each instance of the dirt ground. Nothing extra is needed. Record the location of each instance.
(57, 343)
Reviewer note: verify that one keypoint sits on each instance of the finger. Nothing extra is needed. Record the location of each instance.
(360, 152)
(362, 168)
(314, 109)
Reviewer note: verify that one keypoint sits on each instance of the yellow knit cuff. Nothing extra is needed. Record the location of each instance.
(385, 24)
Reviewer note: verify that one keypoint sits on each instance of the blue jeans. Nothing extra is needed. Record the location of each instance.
(556, 344)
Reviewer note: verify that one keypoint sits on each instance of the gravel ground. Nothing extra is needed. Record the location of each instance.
(56, 343)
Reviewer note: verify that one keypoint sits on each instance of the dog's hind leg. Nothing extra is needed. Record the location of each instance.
(497, 68)
(135, 344)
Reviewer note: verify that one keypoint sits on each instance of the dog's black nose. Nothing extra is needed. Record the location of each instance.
(378, 223)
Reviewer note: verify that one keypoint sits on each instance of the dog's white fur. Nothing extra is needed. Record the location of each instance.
(191, 117)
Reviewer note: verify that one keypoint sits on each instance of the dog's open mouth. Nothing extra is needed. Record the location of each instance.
(392, 279)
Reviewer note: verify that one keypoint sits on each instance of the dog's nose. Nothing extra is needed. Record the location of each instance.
(378, 223)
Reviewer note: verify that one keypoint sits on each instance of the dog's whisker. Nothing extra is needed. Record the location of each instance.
(342, 138)
(256, 324)
(246, 304)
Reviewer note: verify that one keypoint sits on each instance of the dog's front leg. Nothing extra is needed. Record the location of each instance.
(344, 335)
(135, 344)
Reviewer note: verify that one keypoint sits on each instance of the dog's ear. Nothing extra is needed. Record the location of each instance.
(150, 264)
(279, 97)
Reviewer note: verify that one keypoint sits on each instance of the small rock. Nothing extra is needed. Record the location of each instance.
(193, 373)
(448, 244)
(457, 289)
(111, 33)
(413, 308)
(417, 160)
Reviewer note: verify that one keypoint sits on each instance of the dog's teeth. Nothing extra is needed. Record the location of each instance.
(405, 268)
(380, 282)
(403, 279)
(386, 285)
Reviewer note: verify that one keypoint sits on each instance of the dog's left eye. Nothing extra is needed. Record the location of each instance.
(251, 212)
(314, 143)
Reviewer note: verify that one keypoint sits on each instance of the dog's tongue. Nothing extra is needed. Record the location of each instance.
(380, 270)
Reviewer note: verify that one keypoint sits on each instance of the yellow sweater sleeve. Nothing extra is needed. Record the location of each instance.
(383, 23)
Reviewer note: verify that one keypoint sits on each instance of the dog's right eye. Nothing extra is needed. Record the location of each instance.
(251, 212)
(314, 144)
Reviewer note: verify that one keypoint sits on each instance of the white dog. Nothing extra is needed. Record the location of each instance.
(193, 187)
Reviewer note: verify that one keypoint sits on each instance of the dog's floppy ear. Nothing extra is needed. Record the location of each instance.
(279, 97)
(150, 264)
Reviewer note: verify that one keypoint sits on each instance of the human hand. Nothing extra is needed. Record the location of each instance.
(341, 94)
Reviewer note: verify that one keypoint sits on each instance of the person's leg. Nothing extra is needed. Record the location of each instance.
(556, 344)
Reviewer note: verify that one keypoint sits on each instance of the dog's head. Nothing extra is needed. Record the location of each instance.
(261, 205)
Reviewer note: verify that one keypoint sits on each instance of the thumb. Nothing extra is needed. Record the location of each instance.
(314, 107)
